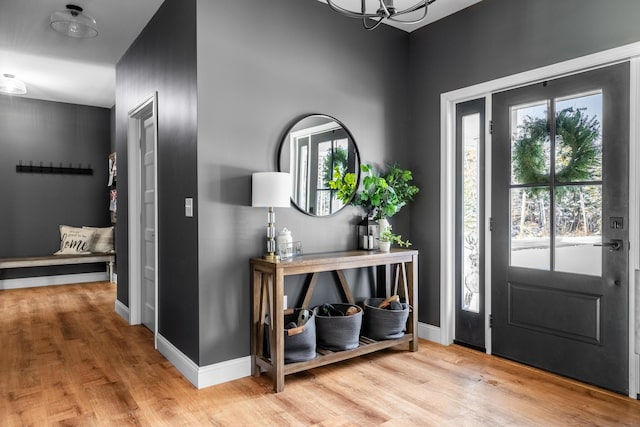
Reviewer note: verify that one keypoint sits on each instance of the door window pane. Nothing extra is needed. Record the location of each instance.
(471, 214)
(578, 141)
(578, 227)
(530, 226)
(530, 144)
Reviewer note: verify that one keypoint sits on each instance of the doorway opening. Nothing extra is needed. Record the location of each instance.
(143, 214)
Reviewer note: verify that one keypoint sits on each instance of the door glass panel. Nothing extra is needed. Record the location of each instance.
(578, 227)
(530, 144)
(578, 150)
(530, 226)
(471, 215)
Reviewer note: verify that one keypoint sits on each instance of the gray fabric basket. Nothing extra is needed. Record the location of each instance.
(383, 324)
(299, 342)
(338, 333)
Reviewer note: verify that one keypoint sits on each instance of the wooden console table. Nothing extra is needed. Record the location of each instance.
(267, 282)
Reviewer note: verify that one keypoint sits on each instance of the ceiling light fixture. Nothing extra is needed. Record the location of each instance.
(12, 86)
(373, 12)
(73, 23)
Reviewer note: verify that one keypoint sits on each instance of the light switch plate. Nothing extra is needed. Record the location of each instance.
(188, 207)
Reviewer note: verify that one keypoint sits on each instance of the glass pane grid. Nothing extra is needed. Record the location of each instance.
(573, 193)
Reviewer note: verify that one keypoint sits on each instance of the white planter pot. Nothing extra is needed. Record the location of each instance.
(385, 246)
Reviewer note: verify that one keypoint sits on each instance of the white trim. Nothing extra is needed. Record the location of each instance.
(205, 376)
(122, 310)
(429, 332)
(60, 279)
(634, 219)
(448, 101)
(223, 372)
(134, 159)
(488, 104)
(447, 218)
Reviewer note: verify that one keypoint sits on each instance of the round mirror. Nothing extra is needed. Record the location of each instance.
(310, 151)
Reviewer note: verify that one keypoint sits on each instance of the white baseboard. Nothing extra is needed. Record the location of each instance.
(122, 310)
(60, 279)
(429, 332)
(204, 376)
(223, 372)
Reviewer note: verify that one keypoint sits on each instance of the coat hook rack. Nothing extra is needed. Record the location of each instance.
(63, 170)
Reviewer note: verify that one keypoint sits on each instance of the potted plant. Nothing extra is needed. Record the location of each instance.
(387, 238)
(382, 194)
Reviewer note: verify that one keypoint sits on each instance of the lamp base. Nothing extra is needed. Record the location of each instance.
(271, 257)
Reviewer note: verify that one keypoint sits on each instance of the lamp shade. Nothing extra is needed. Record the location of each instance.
(270, 190)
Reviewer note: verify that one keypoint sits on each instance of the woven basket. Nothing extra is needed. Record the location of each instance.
(383, 324)
(338, 333)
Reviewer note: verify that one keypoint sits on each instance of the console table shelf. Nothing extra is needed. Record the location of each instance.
(267, 278)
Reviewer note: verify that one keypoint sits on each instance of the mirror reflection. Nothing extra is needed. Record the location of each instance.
(310, 151)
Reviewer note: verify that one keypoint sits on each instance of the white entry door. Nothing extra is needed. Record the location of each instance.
(148, 222)
(143, 215)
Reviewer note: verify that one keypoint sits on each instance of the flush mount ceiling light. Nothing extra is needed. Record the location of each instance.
(373, 12)
(12, 86)
(73, 23)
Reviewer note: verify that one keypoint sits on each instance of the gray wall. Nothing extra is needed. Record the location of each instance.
(261, 64)
(163, 59)
(492, 39)
(34, 205)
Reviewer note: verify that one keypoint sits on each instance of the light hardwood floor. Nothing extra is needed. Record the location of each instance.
(67, 359)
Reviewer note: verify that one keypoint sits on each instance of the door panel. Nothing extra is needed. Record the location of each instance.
(148, 226)
(560, 192)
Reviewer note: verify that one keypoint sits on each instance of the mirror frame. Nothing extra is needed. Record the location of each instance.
(286, 140)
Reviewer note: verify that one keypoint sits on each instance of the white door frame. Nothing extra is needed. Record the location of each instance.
(135, 117)
(448, 103)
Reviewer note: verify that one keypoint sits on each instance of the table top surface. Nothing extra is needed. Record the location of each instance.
(340, 260)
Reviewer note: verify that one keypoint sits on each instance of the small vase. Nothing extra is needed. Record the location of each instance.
(385, 246)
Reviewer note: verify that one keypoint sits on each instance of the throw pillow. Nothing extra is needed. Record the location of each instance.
(102, 239)
(74, 240)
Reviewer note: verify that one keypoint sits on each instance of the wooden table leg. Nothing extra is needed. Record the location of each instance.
(278, 324)
(257, 320)
(412, 289)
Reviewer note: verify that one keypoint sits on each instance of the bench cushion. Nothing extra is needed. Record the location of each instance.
(75, 240)
(102, 242)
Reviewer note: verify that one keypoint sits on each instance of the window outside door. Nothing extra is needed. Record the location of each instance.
(470, 259)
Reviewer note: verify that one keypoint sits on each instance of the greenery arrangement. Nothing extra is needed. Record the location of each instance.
(387, 235)
(382, 195)
(577, 149)
(578, 158)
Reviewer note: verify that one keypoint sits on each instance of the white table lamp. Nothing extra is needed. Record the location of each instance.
(271, 190)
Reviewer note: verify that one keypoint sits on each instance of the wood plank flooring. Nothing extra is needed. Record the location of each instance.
(67, 359)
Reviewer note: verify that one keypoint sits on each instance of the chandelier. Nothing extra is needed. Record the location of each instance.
(373, 12)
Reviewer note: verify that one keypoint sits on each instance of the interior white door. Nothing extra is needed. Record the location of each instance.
(148, 225)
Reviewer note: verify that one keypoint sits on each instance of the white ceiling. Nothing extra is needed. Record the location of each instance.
(59, 68)
(82, 71)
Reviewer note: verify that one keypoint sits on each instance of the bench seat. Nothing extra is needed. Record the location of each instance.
(51, 260)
